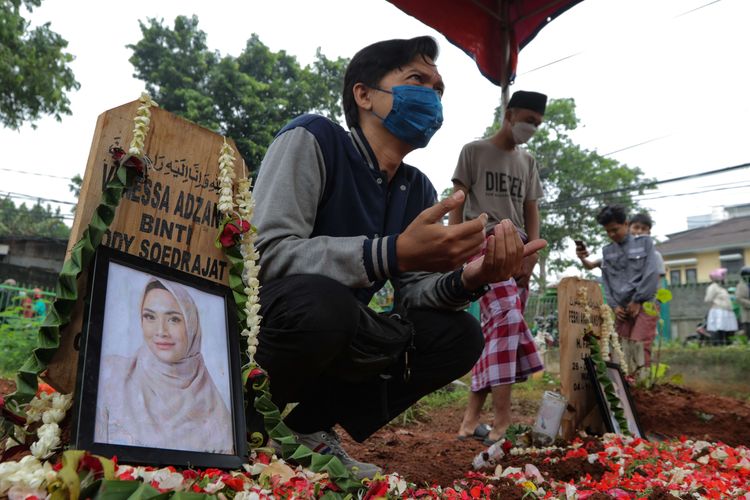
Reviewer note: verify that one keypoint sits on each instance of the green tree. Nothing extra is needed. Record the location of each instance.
(74, 186)
(248, 97)
(35, 221)
(577, 183)
(34, 69)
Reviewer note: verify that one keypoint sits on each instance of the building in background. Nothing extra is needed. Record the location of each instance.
(31, 260)
(690, 255)
(718, 214)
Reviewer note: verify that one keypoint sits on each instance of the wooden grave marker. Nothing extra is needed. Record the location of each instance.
(582, 411)
(170, 217)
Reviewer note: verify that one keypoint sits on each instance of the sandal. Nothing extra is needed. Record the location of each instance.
(481, 432)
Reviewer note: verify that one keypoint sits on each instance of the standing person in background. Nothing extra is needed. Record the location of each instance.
(721, 322)
(742, 293)
(40, 306)
(630, 275)
(639, 225)
(27, 304)
(501, 179)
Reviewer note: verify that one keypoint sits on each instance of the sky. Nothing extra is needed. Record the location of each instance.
(659, 85)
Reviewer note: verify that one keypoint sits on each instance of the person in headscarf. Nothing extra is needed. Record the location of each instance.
(721, 322)
(163, 397)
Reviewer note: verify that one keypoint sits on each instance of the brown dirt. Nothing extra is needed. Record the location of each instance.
(427, 452)
(672, 411)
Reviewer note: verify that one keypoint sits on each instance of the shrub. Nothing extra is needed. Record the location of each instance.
(18, 335)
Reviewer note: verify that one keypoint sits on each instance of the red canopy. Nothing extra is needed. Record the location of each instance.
(492, 32)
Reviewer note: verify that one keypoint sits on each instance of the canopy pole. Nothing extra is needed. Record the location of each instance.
(503, 8)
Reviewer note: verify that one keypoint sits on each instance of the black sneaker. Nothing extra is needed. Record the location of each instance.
(329, 443)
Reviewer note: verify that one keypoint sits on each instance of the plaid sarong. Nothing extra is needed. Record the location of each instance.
(509, 353)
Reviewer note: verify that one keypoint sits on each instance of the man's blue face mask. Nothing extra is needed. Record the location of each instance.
(416, 114)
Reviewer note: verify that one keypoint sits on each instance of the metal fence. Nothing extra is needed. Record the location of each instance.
(13, 295)
(540, 306)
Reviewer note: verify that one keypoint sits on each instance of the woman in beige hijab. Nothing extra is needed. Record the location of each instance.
(164, 397)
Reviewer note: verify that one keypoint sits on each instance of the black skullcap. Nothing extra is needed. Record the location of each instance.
(528, 100)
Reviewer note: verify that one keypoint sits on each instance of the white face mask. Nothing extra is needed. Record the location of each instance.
(522, 132)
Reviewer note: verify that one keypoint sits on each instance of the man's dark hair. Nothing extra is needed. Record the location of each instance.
(642, 218)
(612, 213)
(372, 63)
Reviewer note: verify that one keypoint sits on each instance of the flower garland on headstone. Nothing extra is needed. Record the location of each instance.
(27, 405)
(236, 228)
(610, 341)
(594, 343)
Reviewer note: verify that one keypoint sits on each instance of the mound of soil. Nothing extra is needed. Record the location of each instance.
(428, 452)
(670, 411)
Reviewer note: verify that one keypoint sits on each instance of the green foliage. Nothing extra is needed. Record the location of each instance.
(516, 432)
(75, 187)
(17, 337)
(35, 221)
(248, 97)
(34, 69)
(570, 174)
(420, 411)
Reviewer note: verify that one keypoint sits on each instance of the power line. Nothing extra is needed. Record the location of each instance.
(697, 8)
(643, 185)
(550, 63)
(674, 195)
(25, 172)
(622, 198)
(22, 196)
(582, 51)
(636, 145)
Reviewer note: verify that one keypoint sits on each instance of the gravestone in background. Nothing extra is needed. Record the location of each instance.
(582, 411)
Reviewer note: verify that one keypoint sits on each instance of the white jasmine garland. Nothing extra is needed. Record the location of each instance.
(245, 207)
(226, 176)
(52, 408)
(612, 341)
(141, 122)
(607, 327)
(27, 472)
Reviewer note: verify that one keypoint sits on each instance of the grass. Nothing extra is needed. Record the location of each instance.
(18, 337)
(714, 369)
(528, 395)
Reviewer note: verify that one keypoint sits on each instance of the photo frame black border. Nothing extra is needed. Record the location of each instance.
(85, 403)
(601, 397)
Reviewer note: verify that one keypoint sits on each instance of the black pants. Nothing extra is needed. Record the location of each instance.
(308, 320)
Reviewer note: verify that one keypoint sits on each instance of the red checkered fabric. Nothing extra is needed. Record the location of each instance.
(509, 353)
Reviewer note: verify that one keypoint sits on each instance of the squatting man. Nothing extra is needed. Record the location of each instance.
(338, 213)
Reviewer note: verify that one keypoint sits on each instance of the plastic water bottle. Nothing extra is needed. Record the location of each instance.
(548, 419)
(490, 456)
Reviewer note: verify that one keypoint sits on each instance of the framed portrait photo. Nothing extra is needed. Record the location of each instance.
(615, 375)
(159, 369)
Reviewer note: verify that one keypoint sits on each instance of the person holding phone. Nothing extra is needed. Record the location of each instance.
(630, 275)
(639, 225)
